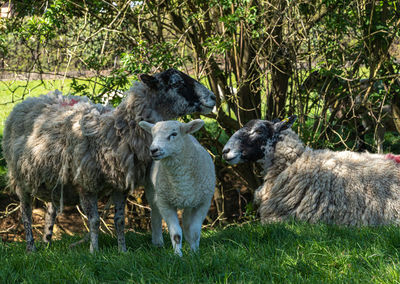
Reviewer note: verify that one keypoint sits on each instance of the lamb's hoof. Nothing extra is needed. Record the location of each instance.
(158, 244)
(194, 251)
(178, 252)
(123, 249)
(30, 249)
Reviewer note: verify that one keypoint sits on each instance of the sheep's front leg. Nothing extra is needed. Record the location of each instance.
(49, 221)
(175, 231)
(155, 215)
(192, 221)
(89, 205)
(119, 200)
(26, 211)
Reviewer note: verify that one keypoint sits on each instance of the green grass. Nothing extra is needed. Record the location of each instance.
(12, 92)
(290, 252)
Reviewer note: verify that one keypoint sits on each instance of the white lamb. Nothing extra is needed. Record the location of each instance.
(183, 176)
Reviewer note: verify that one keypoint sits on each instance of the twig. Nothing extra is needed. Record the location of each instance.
(81, 241)
(6, 213)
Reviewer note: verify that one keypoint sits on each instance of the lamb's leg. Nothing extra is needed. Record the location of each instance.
(155, 215)
(26, 211)
(89, 205)
(175, 231)
(186, 222)
(119, 200)
(192, 221)
(49, 220)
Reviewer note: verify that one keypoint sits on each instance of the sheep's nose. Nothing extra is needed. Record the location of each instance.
(213, 97)
(225, 151)
(153, 150)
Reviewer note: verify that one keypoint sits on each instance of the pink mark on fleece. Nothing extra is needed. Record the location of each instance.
(395, 158)
(69, 103)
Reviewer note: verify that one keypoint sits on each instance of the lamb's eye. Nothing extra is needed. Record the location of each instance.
(258, 131)
(173, 134)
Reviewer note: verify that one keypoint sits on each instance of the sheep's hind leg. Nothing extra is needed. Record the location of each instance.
(186, 222)
(26, 211)
(175, 231)
(49, 221)
(192, 221)
(89, 205)
(119, 200)
(155, 215)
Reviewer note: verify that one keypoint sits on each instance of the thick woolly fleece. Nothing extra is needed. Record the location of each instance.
(343, 188)
(56, 140)
(65, 150)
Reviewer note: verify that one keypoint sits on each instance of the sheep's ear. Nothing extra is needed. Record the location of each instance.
(146, 125)
(192, 126)
(149, 80)
(120, 123)
(285, 124)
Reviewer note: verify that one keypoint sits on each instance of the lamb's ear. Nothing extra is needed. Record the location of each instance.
(146, 125)
(285, 124)
(149, 80)
(192, 126)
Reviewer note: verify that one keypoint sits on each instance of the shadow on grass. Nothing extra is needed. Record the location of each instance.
(293, 233)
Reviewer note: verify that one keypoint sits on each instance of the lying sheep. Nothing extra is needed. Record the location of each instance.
(65, 149)
(183, 177)
(344, 188)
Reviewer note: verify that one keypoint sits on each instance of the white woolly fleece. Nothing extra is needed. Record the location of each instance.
(344, 188)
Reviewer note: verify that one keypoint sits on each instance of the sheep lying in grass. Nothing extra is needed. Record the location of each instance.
(316, 185)
(65, 149)
(183, 176)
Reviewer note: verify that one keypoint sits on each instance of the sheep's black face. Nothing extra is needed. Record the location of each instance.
(180, 93)
(255, 141)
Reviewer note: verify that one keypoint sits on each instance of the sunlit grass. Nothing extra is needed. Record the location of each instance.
(13, 92)
(290, 252)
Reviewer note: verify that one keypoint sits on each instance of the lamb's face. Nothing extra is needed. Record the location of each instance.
(183, 94)
(169, 136)
(255, 142)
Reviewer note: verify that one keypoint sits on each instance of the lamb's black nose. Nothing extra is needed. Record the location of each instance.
(153, 151)
(225, 151)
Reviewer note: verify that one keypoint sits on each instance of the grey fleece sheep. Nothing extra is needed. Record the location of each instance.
(183, 176)
(345, 188)
(65, 149)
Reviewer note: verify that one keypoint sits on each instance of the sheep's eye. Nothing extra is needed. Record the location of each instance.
(173, 134)
(258, 131)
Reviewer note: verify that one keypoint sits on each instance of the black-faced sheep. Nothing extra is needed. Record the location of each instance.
(65, 149)
(345, 188)
(183, 176)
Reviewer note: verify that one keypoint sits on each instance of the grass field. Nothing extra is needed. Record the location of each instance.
(12, 92)
(290, 252)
